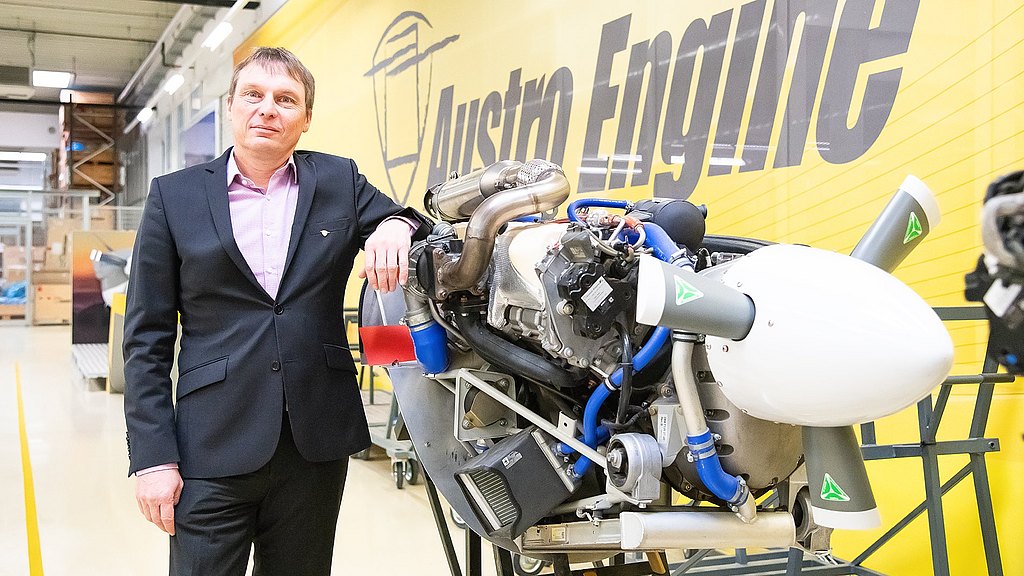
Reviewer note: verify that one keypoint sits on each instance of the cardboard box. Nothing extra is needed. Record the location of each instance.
(12, 275)
(101, 219)
(51, 277)
(9, 311)
(52, 304)
(55, 262)
(101, 173)
(57, 230)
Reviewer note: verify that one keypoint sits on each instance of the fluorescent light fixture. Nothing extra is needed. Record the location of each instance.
(218, 35)
(19, 187)
(47, 79)
(173, 83)
(144, 115)
(23, 156)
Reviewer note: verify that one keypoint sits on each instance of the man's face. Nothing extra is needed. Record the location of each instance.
(268, 112)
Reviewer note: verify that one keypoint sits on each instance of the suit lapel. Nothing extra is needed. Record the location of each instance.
(217, 195)
(307, 188)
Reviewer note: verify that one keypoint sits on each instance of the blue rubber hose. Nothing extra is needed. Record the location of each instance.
(591, 433)
(594, 203)
(709, 469)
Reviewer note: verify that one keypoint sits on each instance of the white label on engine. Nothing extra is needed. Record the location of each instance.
(663, 428)
(510, 460)
(597, 294)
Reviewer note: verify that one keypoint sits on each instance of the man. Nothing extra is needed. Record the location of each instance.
(253, 250)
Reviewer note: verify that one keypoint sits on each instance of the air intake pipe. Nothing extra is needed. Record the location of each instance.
(540, 186)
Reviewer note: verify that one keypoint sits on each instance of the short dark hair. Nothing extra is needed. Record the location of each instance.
(268, 57)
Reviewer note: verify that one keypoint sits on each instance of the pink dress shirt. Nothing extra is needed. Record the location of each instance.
(262, 220)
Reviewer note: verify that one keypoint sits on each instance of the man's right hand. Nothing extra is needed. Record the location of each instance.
(157, 493)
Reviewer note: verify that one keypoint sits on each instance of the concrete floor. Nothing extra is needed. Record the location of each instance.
(88, 522)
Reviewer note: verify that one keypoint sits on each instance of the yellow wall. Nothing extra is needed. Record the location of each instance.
(956, 123)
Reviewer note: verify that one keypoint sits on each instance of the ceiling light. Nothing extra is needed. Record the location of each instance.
(144, 115)
(218, 35)
(23, 157)
(173, 83)
(20, 187)
(47, 79)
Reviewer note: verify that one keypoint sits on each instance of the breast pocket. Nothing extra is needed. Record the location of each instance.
(327, 228)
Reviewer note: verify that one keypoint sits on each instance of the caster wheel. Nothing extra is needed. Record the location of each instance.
(526, 566)
(398, 474)
(412, 472)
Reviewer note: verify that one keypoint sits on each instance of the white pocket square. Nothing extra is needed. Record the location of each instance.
(324, 233)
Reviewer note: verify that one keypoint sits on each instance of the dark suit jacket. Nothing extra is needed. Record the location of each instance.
(244, 354)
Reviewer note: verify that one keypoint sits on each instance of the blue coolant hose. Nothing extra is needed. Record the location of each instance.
(594, 203)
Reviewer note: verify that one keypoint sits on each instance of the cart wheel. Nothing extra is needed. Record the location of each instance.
(526, 566)
(398, 473)
(457, 519)
(412, 472)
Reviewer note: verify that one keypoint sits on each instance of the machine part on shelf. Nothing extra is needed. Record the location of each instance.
(634, 465)
(516, 482)
(903, 224)
(479, 416)
(702, 530)
(998, 280)
(456, 199)
(541, 186)
(840, 492)
(679, 298)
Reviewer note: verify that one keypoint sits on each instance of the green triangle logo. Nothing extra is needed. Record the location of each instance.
(913, 228)
(830, 490)
(685, 292)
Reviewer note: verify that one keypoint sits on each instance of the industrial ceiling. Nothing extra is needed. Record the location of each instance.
(121, 47)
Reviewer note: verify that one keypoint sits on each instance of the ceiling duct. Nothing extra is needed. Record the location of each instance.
(16, 82)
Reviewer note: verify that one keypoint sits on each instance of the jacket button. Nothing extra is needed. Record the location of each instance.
(275, 365)
(278, 309)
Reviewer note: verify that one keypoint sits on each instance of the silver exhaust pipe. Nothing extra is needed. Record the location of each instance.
(540, 186)
(701, 530)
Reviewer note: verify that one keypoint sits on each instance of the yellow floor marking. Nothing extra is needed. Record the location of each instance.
(35, 557)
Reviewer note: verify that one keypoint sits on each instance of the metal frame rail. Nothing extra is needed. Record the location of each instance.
(928, 449)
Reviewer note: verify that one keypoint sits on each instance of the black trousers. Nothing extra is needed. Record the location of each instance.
(288, 510)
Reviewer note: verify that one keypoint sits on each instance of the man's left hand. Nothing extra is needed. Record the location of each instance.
(387, 255)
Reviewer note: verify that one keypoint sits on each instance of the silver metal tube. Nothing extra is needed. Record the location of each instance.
(686, 388)
(547, 191)
(693, 412)
(455, 200)
(703, 530)
(534, 418)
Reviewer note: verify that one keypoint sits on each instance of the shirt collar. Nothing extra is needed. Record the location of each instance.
(234, 172)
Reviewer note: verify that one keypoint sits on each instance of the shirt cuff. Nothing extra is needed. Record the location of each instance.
(413, 226)
(170, 466)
